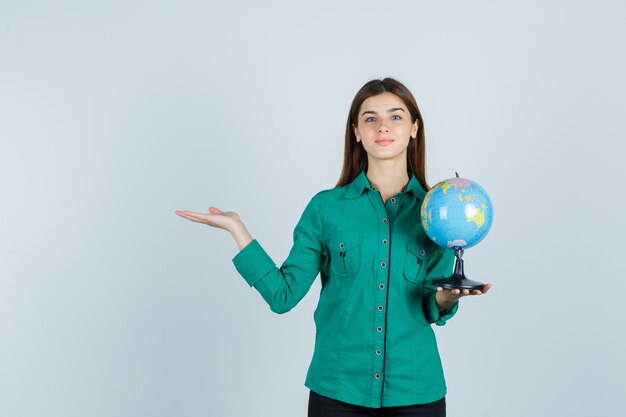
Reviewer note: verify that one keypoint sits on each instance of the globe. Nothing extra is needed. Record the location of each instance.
(456, 213)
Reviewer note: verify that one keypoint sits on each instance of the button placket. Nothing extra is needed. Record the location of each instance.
(379, 326)
(382, 279)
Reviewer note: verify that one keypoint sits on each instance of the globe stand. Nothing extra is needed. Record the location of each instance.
(458, 280)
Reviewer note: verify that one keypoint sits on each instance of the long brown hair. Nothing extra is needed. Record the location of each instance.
(354, 155)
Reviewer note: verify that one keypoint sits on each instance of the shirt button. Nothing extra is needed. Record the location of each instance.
(380, 308)
(381, 286)
(422, 252)
(378, 352)
(383, 264)
(377, 376)
(384, 241)
(385, 220)
(393, 200)
(341, 245)
(379, 329)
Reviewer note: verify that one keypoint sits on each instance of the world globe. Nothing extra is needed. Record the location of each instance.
(456, 213)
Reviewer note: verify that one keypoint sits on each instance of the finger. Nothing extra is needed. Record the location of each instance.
(193, 215)
(439, 289)
(196, 217)
(486, 287)
(215, 210)
(183, 213)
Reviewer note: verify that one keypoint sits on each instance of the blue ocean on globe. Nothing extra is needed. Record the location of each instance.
(456, 213)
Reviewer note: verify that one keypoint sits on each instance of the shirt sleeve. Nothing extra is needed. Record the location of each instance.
(282, 288)
(440, 265)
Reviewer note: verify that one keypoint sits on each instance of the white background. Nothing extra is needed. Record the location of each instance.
(114, 114)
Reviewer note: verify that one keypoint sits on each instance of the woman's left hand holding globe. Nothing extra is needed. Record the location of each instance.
(446, 297)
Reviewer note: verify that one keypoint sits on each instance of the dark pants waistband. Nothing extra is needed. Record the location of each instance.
(321, 406)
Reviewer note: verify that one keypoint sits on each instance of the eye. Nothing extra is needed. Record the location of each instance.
(396, 117)
(370, 119)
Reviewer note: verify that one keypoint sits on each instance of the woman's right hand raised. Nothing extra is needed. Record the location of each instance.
(227, 220)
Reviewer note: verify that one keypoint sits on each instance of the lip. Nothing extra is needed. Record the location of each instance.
(384, 141)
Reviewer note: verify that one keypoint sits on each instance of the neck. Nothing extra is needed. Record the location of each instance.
(388, 178)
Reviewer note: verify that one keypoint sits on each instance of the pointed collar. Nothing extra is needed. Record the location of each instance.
(361, 182)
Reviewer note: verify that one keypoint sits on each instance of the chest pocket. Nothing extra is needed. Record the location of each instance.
(415, 262)
(345, 253)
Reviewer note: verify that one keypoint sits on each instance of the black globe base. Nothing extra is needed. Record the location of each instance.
(458, 280)
(461, 283)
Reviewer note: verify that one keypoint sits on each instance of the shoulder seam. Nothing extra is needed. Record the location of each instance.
(326, 191)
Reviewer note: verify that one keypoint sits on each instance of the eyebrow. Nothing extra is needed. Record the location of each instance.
(388, 111)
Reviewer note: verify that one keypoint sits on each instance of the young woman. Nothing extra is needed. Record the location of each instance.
(375, 351)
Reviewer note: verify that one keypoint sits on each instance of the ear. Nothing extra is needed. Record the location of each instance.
(356, 132)
(415, 128)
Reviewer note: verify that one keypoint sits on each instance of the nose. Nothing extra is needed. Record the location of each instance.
(383, 128)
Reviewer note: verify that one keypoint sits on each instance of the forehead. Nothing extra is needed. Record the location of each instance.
(382, 102)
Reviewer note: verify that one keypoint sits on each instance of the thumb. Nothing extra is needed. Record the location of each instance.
(215, 210)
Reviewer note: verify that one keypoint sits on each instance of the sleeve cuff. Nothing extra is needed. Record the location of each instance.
(440, 318)
(253, 263)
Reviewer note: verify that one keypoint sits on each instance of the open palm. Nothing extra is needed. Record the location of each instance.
(226, 220)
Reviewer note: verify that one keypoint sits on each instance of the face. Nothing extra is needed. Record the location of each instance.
(384, 127)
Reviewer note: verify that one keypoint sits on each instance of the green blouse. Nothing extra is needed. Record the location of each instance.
(374, 345)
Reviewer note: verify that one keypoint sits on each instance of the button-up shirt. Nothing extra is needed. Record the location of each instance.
(374, 344)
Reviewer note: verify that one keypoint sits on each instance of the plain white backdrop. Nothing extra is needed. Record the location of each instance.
(115, 114)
